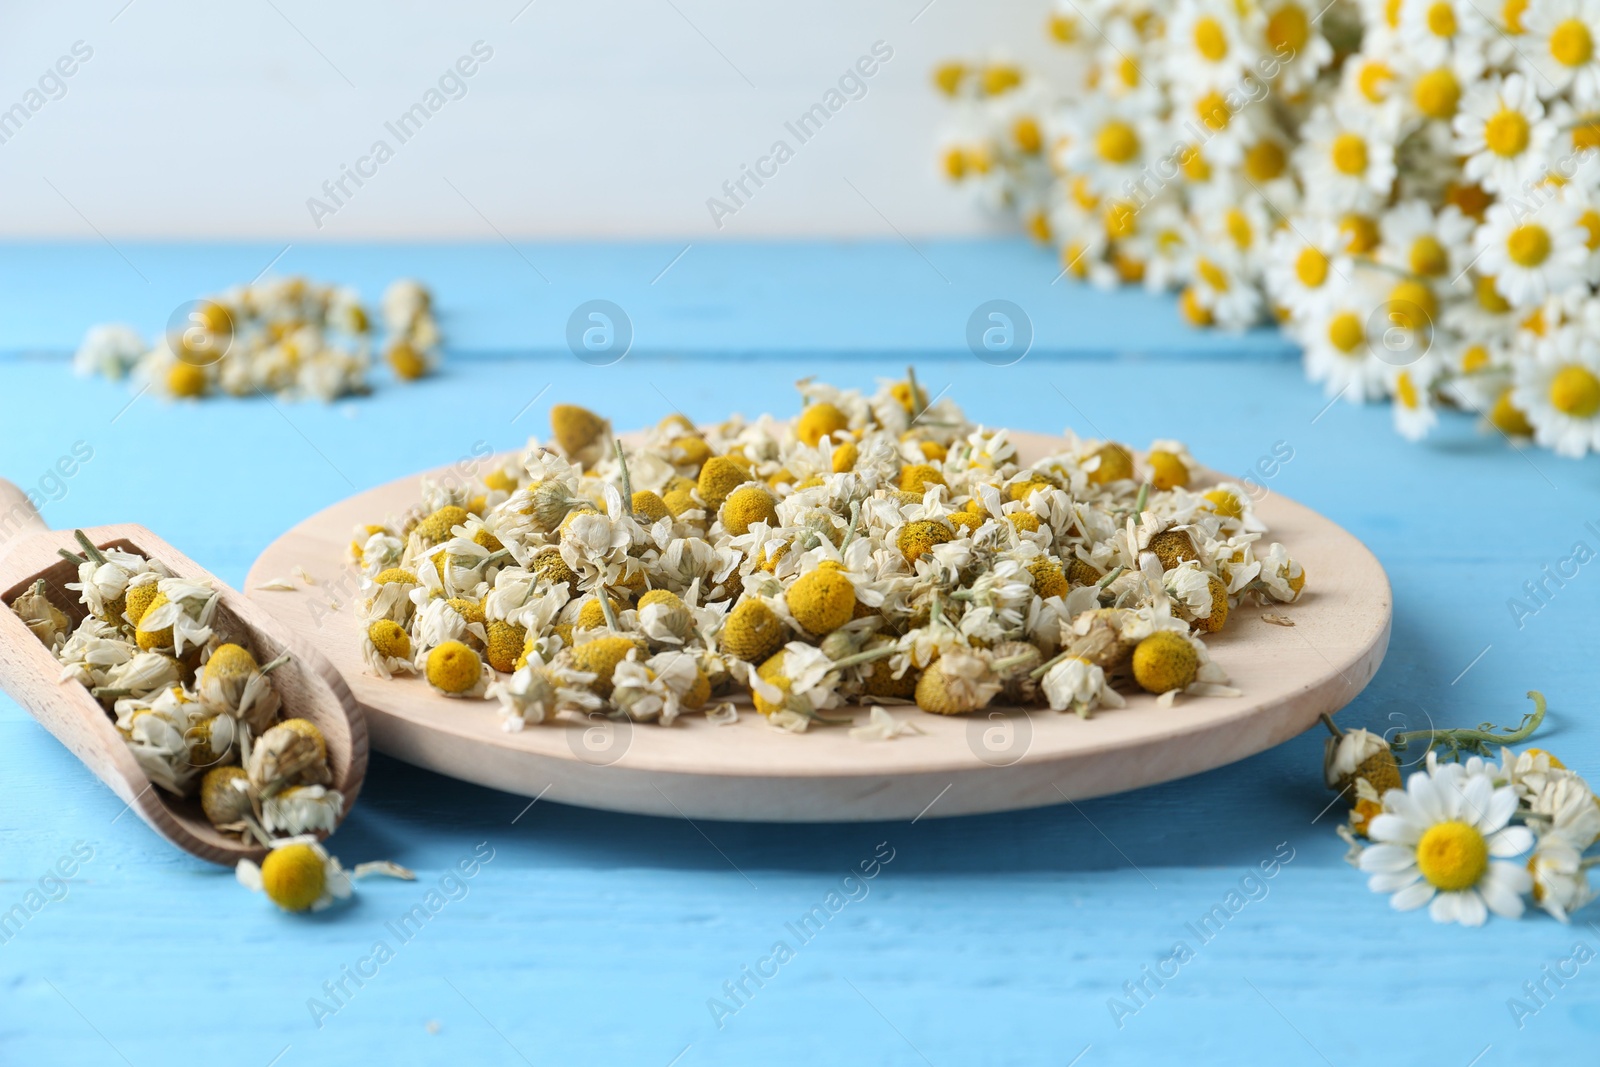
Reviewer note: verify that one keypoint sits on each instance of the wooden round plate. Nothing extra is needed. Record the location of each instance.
(996, 760)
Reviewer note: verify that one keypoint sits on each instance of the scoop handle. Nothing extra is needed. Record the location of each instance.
(18, 516)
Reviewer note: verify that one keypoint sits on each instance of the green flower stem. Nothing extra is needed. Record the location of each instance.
(865, 657)
(855, 518)
(88, 546)
(1478, 740)
(627, 484)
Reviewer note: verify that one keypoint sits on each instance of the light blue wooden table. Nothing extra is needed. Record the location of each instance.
(599, 938)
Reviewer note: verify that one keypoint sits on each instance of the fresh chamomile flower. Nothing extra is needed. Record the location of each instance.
(1434, 30)
(1342, 342)
(1502, 130)
(1445, 841)
(1434, 247)
(1532, 254)
(1221, 292)
(1308, 265)
(1558, 49)
(1411, 387)
(1557, 388)
(1212, 43)
(1347, 155)
(297, 875)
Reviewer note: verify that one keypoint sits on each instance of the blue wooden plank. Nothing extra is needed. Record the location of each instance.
(729, 299)
(594, 937)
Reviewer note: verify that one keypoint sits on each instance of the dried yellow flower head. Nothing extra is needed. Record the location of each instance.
(820, 420)
(747, 506)
(600, 658)
(436, 528)
(505, 645)
(576, 428)
(718, 478)
(293, 877)
(752, 631)
(390, 639)
(918, 538)
(821, 601)
(1165, 661)
(453, 668)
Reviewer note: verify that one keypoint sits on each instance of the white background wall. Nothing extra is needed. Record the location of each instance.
(594, 118)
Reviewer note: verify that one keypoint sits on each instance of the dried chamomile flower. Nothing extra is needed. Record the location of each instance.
(1359, 754)
(876, 549)
(302, 809)
(285, 336)
(46, 621)
(225, 798)
(232, 683)
(293, 752)
(297, 875)
(179, 616)
(455, 670)
(535, 693)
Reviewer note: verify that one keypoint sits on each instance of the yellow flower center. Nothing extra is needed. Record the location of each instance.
(1224, 503)
(1194, 312)
(1026, 131)
(1428, 256)
(1586, 133)
(1474, 359)
(1311, 267)
(1506, 133)
(1117, 142)
(1350, 154)
(1239, 228)
(1528, 245)
(1442, 20)
(1288, 28)
(1412, 306)
(1511, 14)
(1406, 391)
(1575, 391)
(1128, 72)
(1209, 39)
(1373, 81)
(1391, 13)
(1120, 219)
(1571, 44)
(1508, 418)
(1212, 110)
(1195, 167)
(453, 667)
(1362, 234)
(1264, 161)
(1489, 298)
(1211, 274)
(1063, 28)
(1452, 855)
(293, 877)
(1437, 93)
(1345, 332)
(1165, 661)
(1590, 221)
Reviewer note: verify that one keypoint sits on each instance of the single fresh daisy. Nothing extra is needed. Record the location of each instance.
(1434, 93)
(1347, 155)
(1502, 130)
(1210, 43)
(1415, 240)
(1341, 340)
(1558, 52)
(1411, 387)
(1433, 30)
(1445, 841)
(1294, 41)
(1307, 265)
(1557, 388)
(1532, 254)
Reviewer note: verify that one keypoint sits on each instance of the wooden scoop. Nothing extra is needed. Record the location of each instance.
(309, 686)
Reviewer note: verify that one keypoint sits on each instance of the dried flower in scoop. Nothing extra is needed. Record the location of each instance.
(47, 622)
(232, 683)
(302, 809)
(291, 753)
